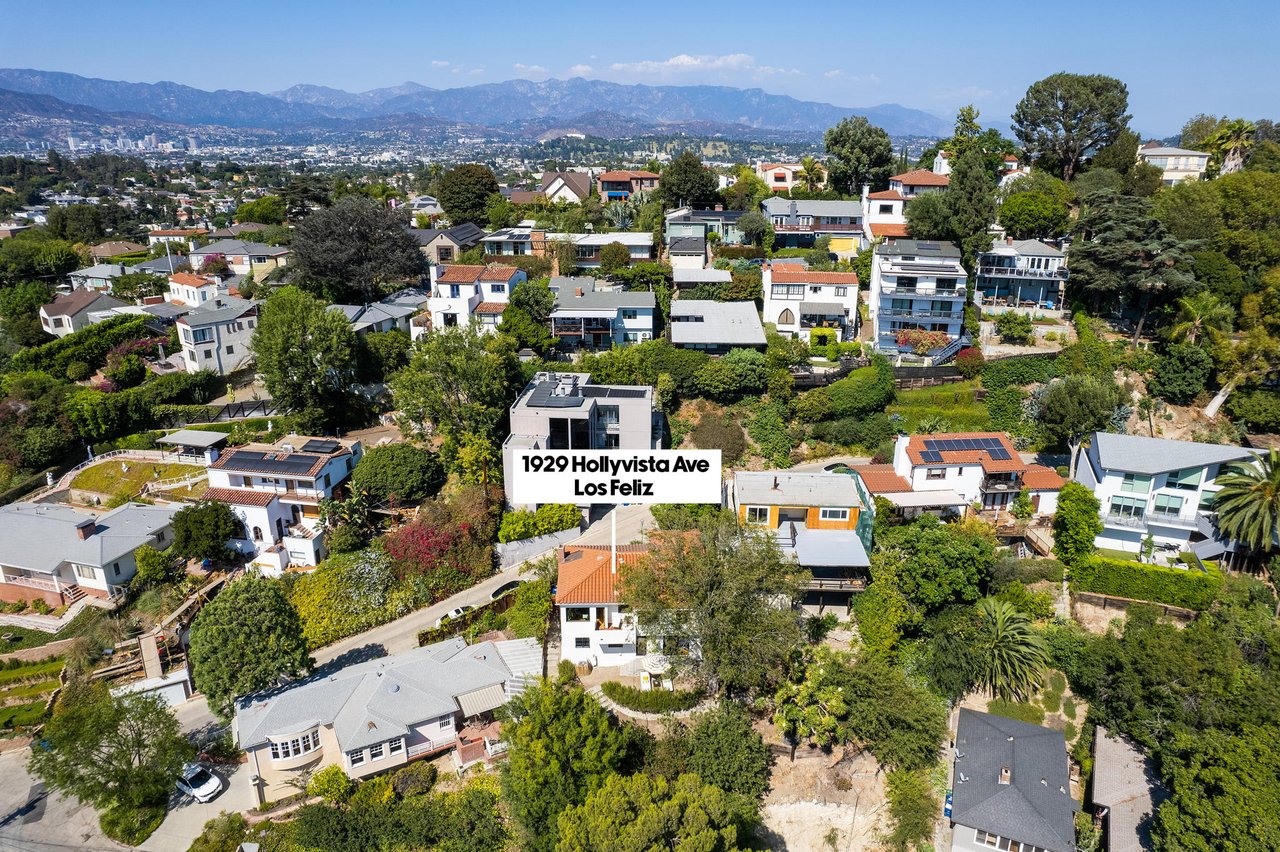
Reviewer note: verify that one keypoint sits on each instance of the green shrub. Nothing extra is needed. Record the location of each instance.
(332, 784)
(223, 833)
(131, 825)
(1019, 371)
(1068, 707)
(1184, 587)
(682, 516)
(1014, 327)
(549, 518)
(78, 371)
(22, 715)
(1038, 605)
(970, 361)
(1257, 408)
(769, 430)
(1030, 713)
(720, 432)
(88, 345)
(416, 779)
(653, 701)
(820, 338)
(864, 391)
(530, 615)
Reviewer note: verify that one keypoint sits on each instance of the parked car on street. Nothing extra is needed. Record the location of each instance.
(456, 612)
(199, 783)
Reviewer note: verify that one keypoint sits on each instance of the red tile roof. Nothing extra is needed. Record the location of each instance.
(489, 308)
(1037, 477)
(585, 574)
(239, 496)
(888, 229)
(188, 279)
(886, 195)
(921, 177)
(786, 276)
(498, 273)
(461, 274)
(624, 174)
(915, 446)
(881, 479)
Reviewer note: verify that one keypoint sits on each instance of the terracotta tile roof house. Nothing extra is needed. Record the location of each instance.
(585, 573)
(889, 230)
(919, 177)
(882, 479)
(787, 276)
(619, 185)
(885, 195)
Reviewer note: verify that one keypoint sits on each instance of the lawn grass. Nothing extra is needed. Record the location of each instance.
(43, 669)
(956, 404)
(108, 478)
(1122, 555)
(29, 690)
(23, 638)
(22, 715)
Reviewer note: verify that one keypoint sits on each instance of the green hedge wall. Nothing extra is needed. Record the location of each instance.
(89, 345)
(1017, 371)
(1185, 587)
(653, 701)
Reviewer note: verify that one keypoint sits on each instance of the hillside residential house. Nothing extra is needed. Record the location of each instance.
(108, 250)
(244, 258)
(595, 627)
(687, 222)
(424, 205)
(461, 294)
(639, 245)
(98, 277)
(715, 327)
(218, 334)
(443, 245)
(275, 490)
(377, 317)
(822, 521)
(1012, 787)
(1024, 275)
(566, 187)
(188, 290)
(1156, 487)
(57, 554)
(72, 311)
(525, 239)
(589, 314)
(915, 182)
(1177, 164)
(687, 279)
(687, 253)
(885, 215)
(781, 177)
(917, 286)
(184, 236)
(382, 713)
(942, 163)
(621, 184)
(567, 411)
(960, 469)
(232, 232)
(797, 224)
(799, 300)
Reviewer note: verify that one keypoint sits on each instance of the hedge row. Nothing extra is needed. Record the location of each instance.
(89, 345)
(1016, 372)
(653, 701)
(1185, 587)
(739, 252)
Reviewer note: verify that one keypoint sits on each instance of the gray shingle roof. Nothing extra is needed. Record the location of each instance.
(241, 247)
(779, 206)
(780, 488)
(1125, 782)
(919, 248)
(688, 245)
(80, 299)
(724, 323)
(222, 309)
(40, 536)
(593, 299)
(1035, 805)
(1137, 454)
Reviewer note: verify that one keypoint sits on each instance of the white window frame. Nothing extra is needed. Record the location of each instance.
(86, 571)
(377, 751)
(395, 746)
(833, 514)
(352, 758)
(755, 521)
(935, 473)
(296, 747)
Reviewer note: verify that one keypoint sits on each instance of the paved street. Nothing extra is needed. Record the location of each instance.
(31, 819)
(632, 521)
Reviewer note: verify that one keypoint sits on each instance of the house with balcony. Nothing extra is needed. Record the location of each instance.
(1020, 275)
(621, 184)
(380, 714)
(244, 258)
(275, 490)
(715, 327)
(1177, 164)
(567, 411)
(70, 312)
(443, 245)
(797, 224)
(595, 626)
(188, 290)
(884, 215)
(218, 335)
(461, 294)
(590, 314)
(587, 246)
(946, 474)
(915, 182)
(57, 554)
(684, 222)
(798, 300)
(781, 177)
(822, 521)
(917, 297)
(1159, 488)
(99, 277)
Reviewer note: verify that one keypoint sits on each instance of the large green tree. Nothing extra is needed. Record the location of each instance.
(399, 473)
(860, 153)
(203, 531)
(686, 182)
(267, 210)
(354, 251)
(730, 592)
(725, 750)
(20, 311)
(306, 354)
(1011, 655)
(245, 640)
(1075, 524)
(113, 752)
(464, 193)
(1034, 215)
(644, 813)
(1065, 116)
(1248, 504)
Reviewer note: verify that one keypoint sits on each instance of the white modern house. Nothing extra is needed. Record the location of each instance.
(1177, 164)
(589, 314)
(217, 335)
(189, 290)
(884, 214)
(461, 294)
(57, 554)
(799, 300)
(595, 626)
(1020, 275)
(1156, 487)
(917, 286)
(275, 490)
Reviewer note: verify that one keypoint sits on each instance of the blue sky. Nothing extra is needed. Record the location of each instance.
(1178, 58)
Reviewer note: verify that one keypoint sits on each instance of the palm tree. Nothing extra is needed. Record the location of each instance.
(1248, 505)
(619, 213)
(1012, 656)
(1228, 145)
(811, 174)
(1200, 315)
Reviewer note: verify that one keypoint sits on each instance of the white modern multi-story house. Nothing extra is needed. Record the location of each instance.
(797, 224)
(54, 553)
(461, 294)
(1156, 487)
(217, 335)
(1178, 164)
(1024, 275)
(798, 300)
(566, 411)
(590, 315)
(377, 715)
(917, 287)
(275, 490)
(526, 238)
(884, 216)
(595, 626)
(189, 290)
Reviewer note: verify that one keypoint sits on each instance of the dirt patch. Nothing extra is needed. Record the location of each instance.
(1096, 619)
(820, 799)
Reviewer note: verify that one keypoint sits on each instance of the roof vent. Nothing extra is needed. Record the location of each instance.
(395, 687)
(372, 726)
(1044, 783)
(1006, 775)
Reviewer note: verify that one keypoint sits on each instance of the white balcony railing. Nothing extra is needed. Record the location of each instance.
(1019, 272)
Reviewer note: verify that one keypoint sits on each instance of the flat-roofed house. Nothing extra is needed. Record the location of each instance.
(1177, 165)
(715, 327)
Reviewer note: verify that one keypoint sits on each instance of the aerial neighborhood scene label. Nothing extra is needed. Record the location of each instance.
(617, 476)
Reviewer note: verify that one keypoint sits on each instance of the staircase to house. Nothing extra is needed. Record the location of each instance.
(72, 593)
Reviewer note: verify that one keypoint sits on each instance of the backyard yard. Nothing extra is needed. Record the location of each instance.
(954, 407)
(115, 477)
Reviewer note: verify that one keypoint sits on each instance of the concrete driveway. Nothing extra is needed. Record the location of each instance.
(31, 818)
(187, 817)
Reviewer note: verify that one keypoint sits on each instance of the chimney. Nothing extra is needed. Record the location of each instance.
(719, 208)
(1006, 775)
(86, 528)
(1008, 241)
(775, 483)
(578, 292)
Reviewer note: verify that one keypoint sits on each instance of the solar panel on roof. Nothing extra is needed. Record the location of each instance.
(930, 456)
(324, 446)
(999, 453)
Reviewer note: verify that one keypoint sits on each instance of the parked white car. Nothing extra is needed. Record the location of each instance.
(199, 783)
(456, 612)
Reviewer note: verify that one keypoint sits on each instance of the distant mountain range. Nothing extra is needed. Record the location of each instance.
(516, 107)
